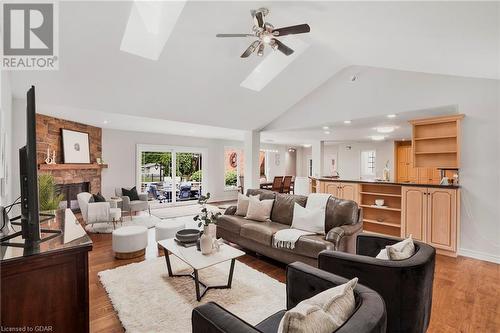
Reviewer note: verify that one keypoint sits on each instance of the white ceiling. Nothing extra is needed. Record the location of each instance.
(359, 130)
(197, 76)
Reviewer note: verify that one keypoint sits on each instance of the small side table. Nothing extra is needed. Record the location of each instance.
(118, 201)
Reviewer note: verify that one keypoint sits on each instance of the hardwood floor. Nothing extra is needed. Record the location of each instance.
(466, 291)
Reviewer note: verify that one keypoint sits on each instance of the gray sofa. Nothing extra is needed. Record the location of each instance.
(343, 222)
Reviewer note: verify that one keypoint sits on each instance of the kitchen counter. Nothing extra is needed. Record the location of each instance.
(360, 181)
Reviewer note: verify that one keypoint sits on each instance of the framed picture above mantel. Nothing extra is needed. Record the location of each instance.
(75, 146)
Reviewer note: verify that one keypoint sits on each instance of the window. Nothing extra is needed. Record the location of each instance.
(233, 173)
(170, 174)
(368, 162)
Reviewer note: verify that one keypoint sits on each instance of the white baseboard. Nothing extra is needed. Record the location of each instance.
(479, 255)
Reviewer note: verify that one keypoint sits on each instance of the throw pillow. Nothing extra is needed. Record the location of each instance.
(132, 193)
(242, 205)
(91, 199)
(312, 220)
(399, 251)
(98, 197)
(259, 210)
(322, 313)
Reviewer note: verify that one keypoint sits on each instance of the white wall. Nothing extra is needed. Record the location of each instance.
(382, 91)
(119, 151)
(349, 161)
(7, 196)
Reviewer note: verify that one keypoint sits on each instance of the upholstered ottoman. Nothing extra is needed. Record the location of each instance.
(168, 228)
(130, 242)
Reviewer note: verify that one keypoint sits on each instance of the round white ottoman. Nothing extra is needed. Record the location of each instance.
(130, 242)
(168, 228)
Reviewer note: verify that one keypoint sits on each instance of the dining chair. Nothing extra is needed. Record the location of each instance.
(287, 184)
(277, 184)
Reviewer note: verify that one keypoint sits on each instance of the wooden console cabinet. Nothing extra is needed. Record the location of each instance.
(46, 288)
(431, 216)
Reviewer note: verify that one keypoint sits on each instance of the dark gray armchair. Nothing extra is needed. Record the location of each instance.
(302, 282)
(405, 285)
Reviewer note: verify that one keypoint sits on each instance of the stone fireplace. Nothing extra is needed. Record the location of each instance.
(70, 178)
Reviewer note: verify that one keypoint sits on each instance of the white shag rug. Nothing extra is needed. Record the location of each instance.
(178, 211)
(148, 300)
(107, 228)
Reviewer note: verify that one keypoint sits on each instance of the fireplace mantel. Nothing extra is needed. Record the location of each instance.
(71, 166)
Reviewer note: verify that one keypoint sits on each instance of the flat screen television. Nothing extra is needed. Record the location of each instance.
(30, 216)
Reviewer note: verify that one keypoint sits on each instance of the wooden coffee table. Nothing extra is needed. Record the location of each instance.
(198, 261)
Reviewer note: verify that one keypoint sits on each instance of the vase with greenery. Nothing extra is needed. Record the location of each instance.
(48, 197)
(205, 218)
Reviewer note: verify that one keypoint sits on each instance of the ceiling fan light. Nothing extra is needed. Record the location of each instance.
(266, 39)
(260, 52)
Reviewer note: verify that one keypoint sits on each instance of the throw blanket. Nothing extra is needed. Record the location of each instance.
(98, 212)
(287, 238)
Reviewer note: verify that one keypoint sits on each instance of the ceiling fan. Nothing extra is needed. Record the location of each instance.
(266, 34)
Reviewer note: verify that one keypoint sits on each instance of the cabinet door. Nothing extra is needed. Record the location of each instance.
(424, 175)
(412, 171)
(349, 191)
(414, 212)
(403, 163)
(436, 176)
(442, 218)
(332, 188)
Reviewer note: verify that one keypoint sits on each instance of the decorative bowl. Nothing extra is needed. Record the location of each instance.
(379, 202)
(187, 235)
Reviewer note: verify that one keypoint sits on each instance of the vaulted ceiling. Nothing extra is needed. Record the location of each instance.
(197, 77)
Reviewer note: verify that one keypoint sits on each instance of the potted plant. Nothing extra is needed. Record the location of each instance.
(48, 197)
(205, 218)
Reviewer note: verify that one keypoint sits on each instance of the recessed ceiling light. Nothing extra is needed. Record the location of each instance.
(326, 132)
(391, 116)
(306, 145)
(325, 128)
(387, 129)
(105, 122)
(378, 137)
(347, 122)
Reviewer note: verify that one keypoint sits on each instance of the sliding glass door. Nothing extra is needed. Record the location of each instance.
(170, 174)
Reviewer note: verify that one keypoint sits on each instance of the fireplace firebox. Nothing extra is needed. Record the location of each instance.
(70, 191)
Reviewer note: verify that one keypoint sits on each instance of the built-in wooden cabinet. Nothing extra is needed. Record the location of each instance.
(431, 215)
(347, 191)
(406, 172)
(383, 219)
(436, 142)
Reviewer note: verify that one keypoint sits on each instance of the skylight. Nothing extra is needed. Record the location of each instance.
(273, 64)
(149, 26)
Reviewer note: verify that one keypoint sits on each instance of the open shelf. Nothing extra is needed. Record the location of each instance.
(389, 224)
(382, 194)
(436, 137)
(382, 208)
(435, 152)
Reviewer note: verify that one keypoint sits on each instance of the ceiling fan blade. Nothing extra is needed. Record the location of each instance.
(250, 49)
(282, 47)
(292, 30)
(258, 18)
(234, 35)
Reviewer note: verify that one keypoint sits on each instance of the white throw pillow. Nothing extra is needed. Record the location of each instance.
(312, 220)
(399, 251)
(322, 313)
(242, 205)
(259, 210)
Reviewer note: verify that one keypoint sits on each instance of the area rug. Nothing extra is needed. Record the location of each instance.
(147, 300)
(178, 211)
(107, 228)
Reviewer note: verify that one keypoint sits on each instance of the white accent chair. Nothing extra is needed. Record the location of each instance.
(133, 205)
(98, 212)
